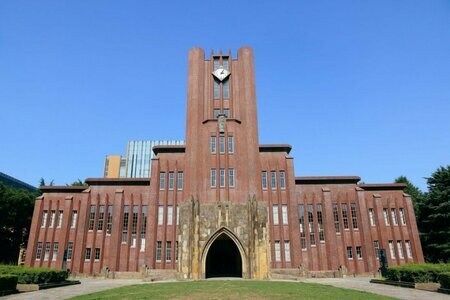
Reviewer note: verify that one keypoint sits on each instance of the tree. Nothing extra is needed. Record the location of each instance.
(416, 194)
(78, 183)
(42, 182)
(434, 221)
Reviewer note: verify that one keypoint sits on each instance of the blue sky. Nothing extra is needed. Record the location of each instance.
(356, 87)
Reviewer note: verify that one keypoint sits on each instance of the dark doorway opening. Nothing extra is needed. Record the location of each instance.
(223, 258)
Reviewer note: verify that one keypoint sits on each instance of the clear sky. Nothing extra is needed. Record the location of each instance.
(356, 87)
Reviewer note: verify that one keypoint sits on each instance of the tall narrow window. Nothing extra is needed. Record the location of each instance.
(162, 180)
(337, 224)
(226, 89)
(91, 217)
(301, 214)
(178, 215)
(345, 216)
(158, 250)
(264, 180)
(394, 217)
(44, 219)
(87, 255)
(287, 251)
(52, 219)
(160, 214)
(55, 251)
(354, 216)
(143, 227)
(372, 217)
(349, 252)
(213, 178)
(109, 219)
(216, 63)
(101, 216)
(169, 214)
(60, 219)
(221, 144)
(176, 251)
(171, 180)
(180, 181)
(47, 251)
(402, 216)
(392, 249)
(226, 112)
(386, 217)
(97, 254)
(277, 251)
(231, 177)
(222, 177)
(320, 223)
(216, 89)
(282, 180)
(134, 222)
(359, 252)
(213, 144)
(284, 213)
(230, 145)
(216, 113)
(126, 215)
(73, 221)
(39, 251)
(312, 236)
(275, 214)
(376, 247)
(69, 251)
(400, 249)
(225, 64)
(408, 249)
(273, 180)
(168, 251)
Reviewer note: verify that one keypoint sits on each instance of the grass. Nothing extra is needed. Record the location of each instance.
(231, 289)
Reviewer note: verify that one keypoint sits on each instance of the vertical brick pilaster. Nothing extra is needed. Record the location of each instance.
(366, 236)
(330, 234)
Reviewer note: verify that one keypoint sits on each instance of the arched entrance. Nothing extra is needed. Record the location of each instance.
(223, 258)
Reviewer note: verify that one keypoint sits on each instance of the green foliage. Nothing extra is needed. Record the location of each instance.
(29, 275)
(8, 282)
(417, 272)
(79, 182)
(42, 182)
(444, 280)
(16, 210)
(416, 194)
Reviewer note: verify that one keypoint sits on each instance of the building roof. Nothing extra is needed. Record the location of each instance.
(118, 181)
(15, 183)
(275, 148)
(62, 188)
(327, 179)
(382, 186)
(169, 149)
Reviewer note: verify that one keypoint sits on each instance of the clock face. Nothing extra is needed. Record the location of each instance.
(221, 73)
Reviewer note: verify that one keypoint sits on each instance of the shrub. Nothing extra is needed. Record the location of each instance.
(30, 275)
(417, 272)
(444, 280)
(8, 282)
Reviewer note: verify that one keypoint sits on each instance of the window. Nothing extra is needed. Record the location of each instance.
(337, 225)
(301, 214)
(169, 214)
(372, 217)
(55, 251)
(216, 63)
(216, 113)
(284, 213)
(213, 178)
(402, 216)
(91, 217)
(225, 62)
(39, 251)
(176, 251)
(97, 254)
(273, 180)
(47, 251)
(386, 216)
(320, 223)
(143, 227)
(74, 219)
(216, 89)
(391, 249)
(354, 216)
(162, 180)
(312, 236)
(180, 181)
(44, 219)
(158, 250)
(230, 145)
(222, 177)
(231, 177)
(400, 249)
(60, 219)
(408, 249)
(134, 221)
(109, 219)
(221, 144)
(87, 256)
(101, 216)
(277, 251)
(275, 214)
(69, 251)
(178, 215)
(213, 144)
(226, 89)
(344, 215)
(349, 252)
(359, 252)
(171, 179)
(282, 180)
(52, 219)
(264, 180)
(376, 246)
(168, 251)
(160, 214)
(394, 217)
(126, 215)
(287, 251)
(226, 111)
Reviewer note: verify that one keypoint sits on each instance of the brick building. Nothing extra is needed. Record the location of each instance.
(223, 204)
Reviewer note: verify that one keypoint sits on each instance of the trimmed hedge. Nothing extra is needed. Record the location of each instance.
(30, 275)
(444, 280)
(417, 272)
(8, 282)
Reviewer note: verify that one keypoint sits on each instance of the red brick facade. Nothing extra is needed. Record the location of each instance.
(319, 223)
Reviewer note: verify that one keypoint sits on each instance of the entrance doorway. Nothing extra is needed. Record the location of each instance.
(223, 258)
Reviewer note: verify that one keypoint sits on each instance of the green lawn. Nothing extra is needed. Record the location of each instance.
(231, 289)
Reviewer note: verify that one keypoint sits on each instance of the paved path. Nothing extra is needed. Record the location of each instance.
(363, 284)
